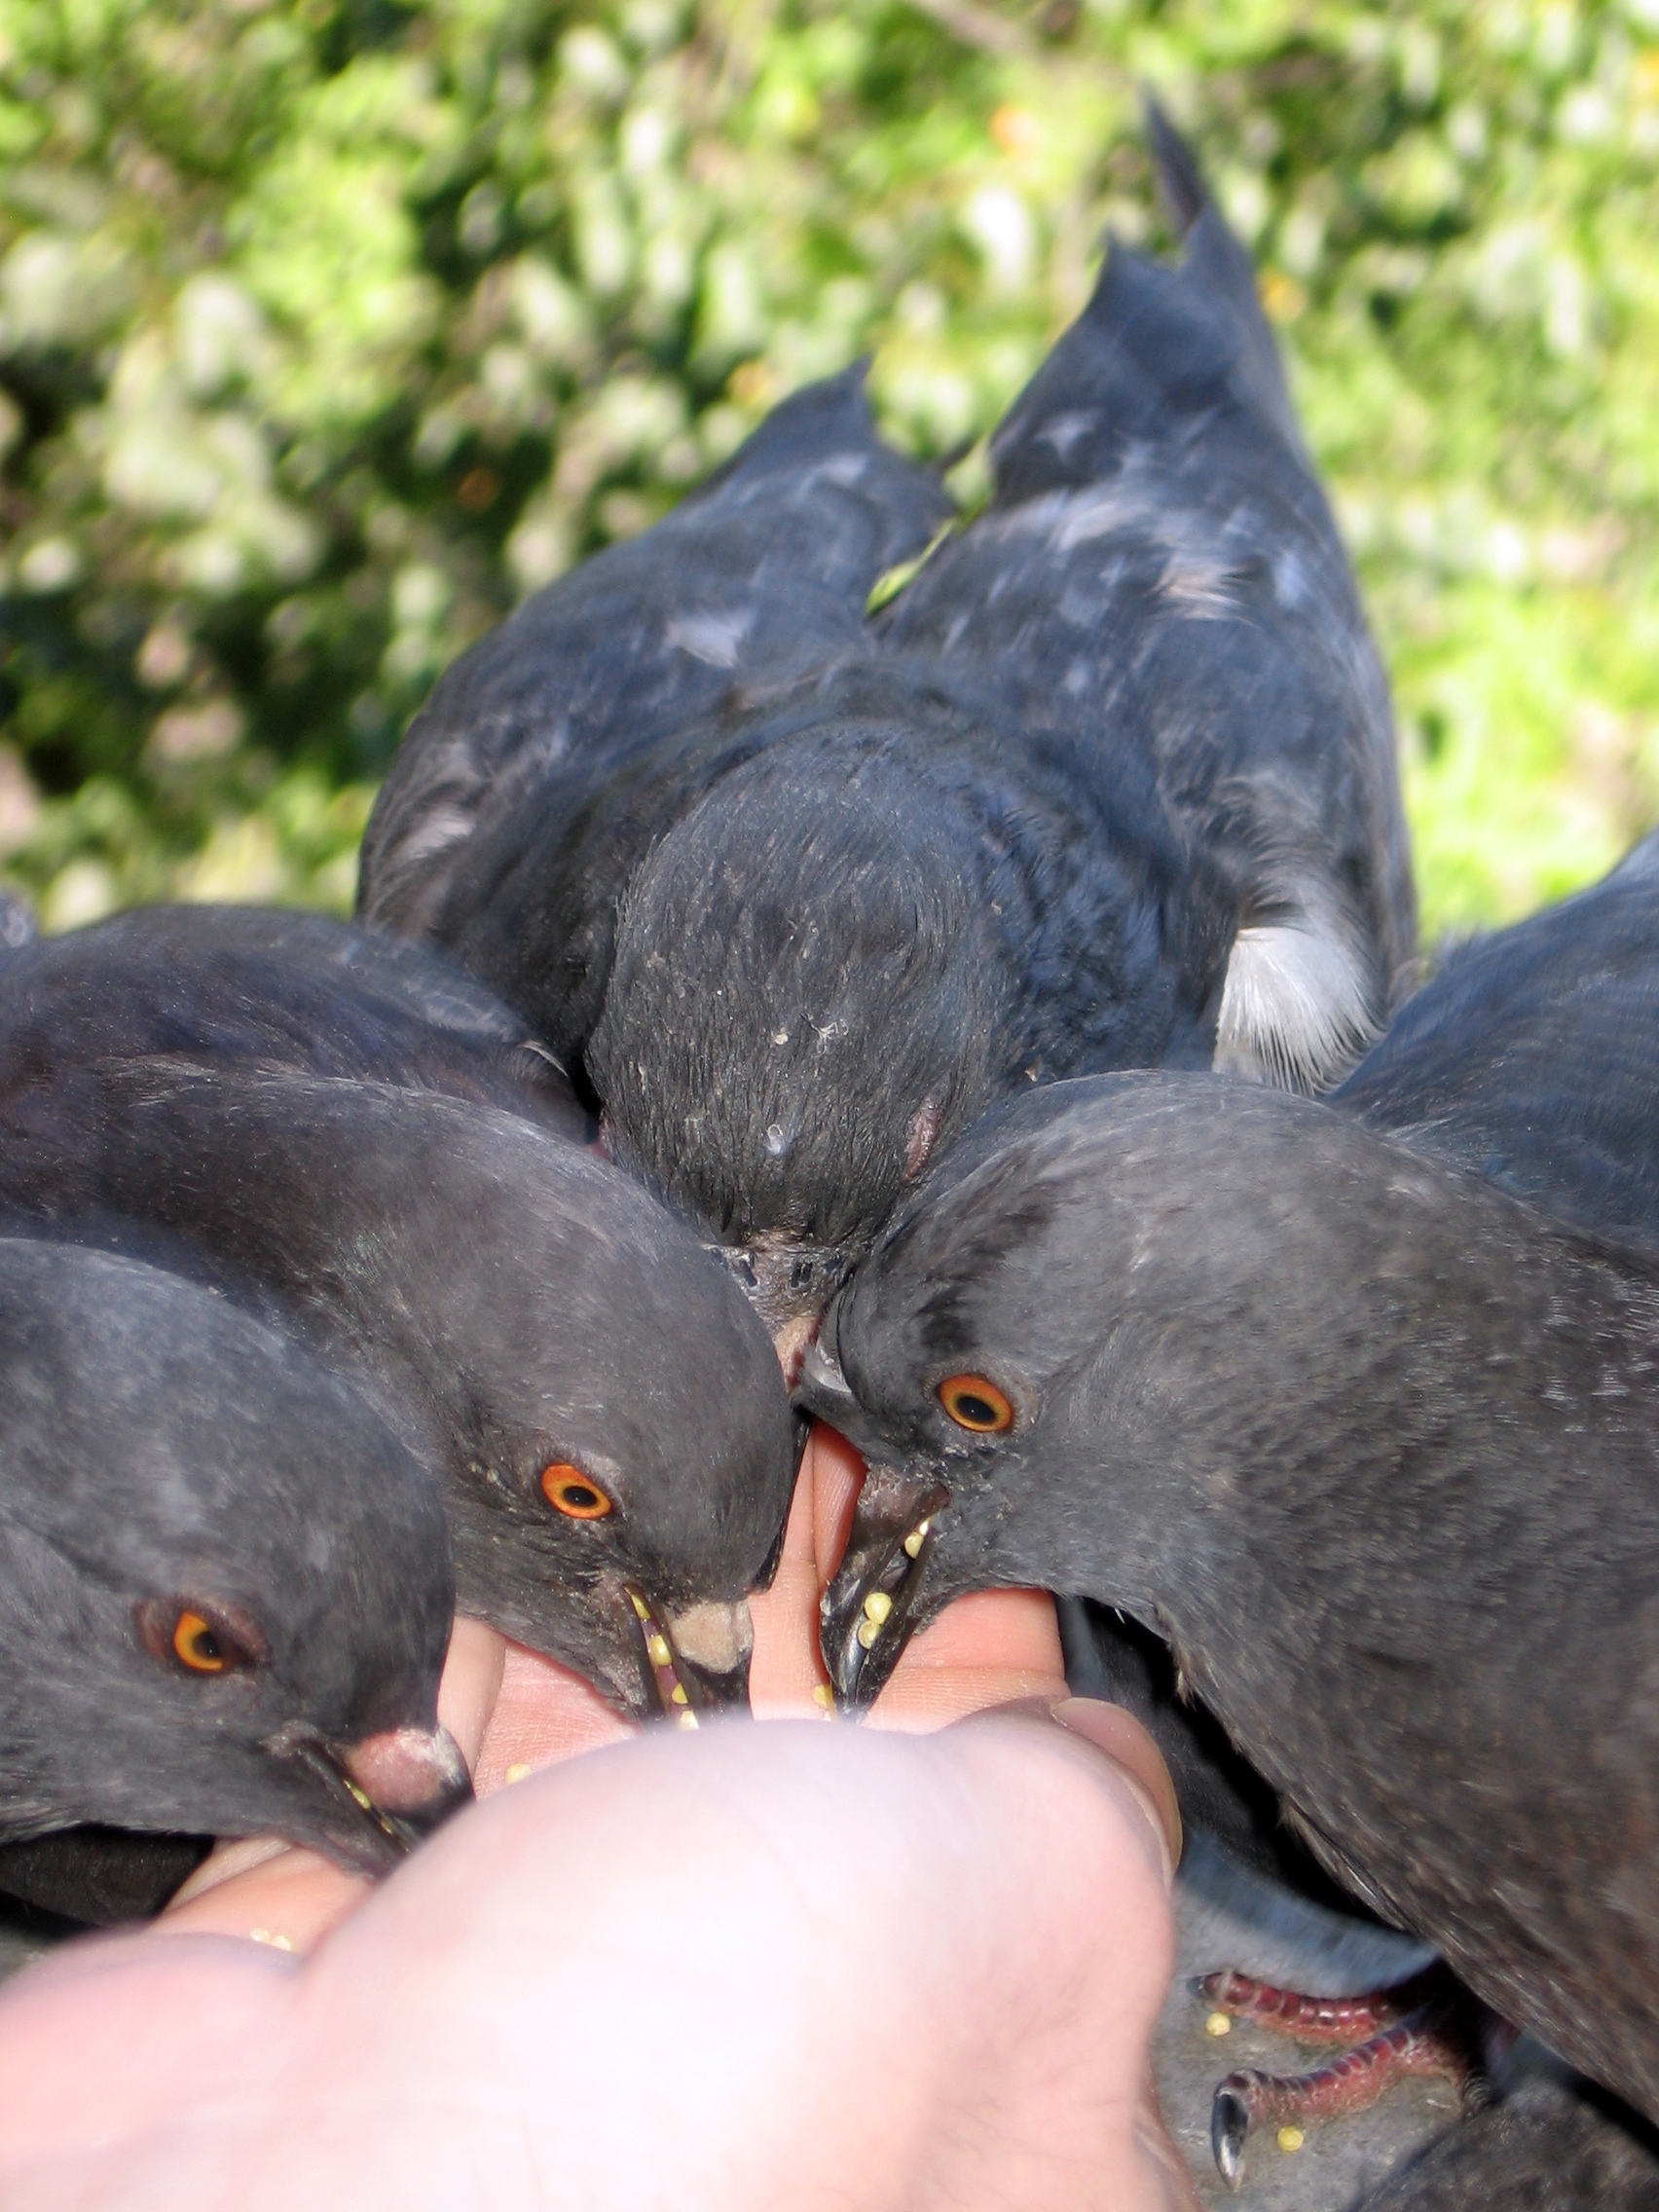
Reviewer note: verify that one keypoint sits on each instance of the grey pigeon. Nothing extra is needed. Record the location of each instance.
(1110, 782)
(1368, 1442)
(1531, 1057)
(1551, 2148)
(225, 1587)
(272, 986)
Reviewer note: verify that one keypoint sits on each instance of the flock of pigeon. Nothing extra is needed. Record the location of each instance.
(982, 1023)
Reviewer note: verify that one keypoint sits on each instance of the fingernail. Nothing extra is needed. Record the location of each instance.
(1140, 1762)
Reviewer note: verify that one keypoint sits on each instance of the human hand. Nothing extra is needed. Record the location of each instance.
(797, 1965)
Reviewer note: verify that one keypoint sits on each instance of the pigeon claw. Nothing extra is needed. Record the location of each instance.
(1229, 2124)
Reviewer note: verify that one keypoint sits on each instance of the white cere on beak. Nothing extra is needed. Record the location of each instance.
(713, 1635)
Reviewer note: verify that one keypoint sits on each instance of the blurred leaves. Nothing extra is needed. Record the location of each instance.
(330, 327)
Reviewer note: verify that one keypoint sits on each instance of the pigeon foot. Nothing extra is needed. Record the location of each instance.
(1430, 2025)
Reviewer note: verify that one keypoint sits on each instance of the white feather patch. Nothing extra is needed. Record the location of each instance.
(1295, 1008)
(715, 636)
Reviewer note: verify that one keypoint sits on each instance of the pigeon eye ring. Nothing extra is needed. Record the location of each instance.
(572, 1493)
(973, 1402)
(201, 1638)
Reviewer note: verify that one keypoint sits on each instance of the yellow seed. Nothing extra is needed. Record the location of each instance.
(687, 1718)
(878, 1605)
(677, 1696)
(914, 1542)
(361, 1795)
(517, 1772)
(642, 1611)
(866, 1633)
(265, 1936)
(1290, 2138)
(1218, 2024)
(657, 1646)
(823, 1695)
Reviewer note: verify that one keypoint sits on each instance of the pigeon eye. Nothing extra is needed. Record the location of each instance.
(974, 1403)
(197, 1645)
(572, 1493)
(201, 1638)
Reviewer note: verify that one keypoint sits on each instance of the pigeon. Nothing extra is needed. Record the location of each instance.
(278, 988)
(760, 576)
(225, 1586)
(609, 1415)
(1533, 1058)
(1367, 1441)
(1110, 782)
(1550, 2148)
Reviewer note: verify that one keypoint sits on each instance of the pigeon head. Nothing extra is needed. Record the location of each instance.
(799, 1010)
(1001, 1358)
(226, 1591)
(616, 1429)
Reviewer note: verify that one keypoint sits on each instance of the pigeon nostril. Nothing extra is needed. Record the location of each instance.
(801, 1275)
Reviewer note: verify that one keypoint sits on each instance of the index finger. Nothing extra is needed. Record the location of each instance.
(988, 1649)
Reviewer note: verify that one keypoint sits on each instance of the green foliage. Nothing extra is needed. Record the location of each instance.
(330, 327)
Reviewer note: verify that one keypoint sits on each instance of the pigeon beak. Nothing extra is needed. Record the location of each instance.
(713, 1643)
(414, 1776)
(421, 1769)
(875, 1604)
(708, 1672)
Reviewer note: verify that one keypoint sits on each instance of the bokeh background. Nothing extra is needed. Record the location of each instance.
(330, 328)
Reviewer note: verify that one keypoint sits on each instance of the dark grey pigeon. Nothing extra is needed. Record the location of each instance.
(1533, 1057)
(608, 1413)
(760, 576)
(1159, 571)
(1111, 783)
(276, 986)
(1552, 2148)
(1370, 1444)
(225, 1587)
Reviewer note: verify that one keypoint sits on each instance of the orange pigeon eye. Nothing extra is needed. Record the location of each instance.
(974, 1403)
(199, 1646)
(205, 1637)
(572, 1493)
